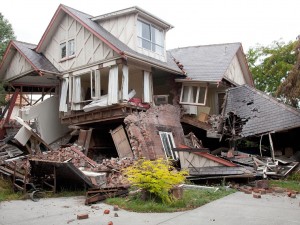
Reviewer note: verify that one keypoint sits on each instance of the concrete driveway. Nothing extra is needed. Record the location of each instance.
(235, 209)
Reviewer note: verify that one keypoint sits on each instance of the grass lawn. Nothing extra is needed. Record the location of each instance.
(7, 193)
(191, 199)
(292, 182)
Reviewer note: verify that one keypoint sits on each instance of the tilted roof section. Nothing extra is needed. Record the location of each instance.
(141, 12)
(37, 59)
(261, 112)
(109, 39)
(206, 62)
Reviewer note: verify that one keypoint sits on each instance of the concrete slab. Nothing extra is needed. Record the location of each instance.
(234, 209)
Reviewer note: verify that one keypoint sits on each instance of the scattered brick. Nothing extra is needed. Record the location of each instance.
(106, 211)
(82, 216)
(256, 190)
(293, 195)
(116, 207)
(262, 184)
(262, 191)
(110, 223)
(256, 195)
(116, 215)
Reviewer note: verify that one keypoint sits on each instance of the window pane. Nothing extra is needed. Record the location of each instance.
(63, 49)
(185, 94)
(146, 44)
(194, 94)
(146, 33)
(71, 47)
(202, 95)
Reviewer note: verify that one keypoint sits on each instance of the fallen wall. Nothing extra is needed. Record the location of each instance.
(143, 130)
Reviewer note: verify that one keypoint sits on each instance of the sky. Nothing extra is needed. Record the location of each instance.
(196, 22)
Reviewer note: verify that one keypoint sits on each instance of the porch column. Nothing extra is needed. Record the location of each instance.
(125, 82)
(113, 85)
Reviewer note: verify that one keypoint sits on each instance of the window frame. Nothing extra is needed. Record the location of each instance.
(171, 143)
(151, 41)
(67, 45)
(190, 86)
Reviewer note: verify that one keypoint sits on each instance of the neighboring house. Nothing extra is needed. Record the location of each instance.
(105, 68)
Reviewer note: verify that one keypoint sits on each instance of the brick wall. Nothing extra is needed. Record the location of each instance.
(143, 130)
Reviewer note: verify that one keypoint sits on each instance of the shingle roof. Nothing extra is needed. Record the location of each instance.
(38, 60)
(261, 112)
(207, 62)
(87, 20)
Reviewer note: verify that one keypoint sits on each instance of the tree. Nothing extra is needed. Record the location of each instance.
(289, 89)
(270, 65)
(6, 34)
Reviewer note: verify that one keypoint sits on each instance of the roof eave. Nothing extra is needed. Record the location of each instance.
(64, 9)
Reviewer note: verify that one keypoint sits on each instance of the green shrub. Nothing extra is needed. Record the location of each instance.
(155, 177)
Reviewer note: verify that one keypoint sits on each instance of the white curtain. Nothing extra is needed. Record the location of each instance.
(147, 87)
(63, 107)
(125, 82)
(76, 93)
(113, 85)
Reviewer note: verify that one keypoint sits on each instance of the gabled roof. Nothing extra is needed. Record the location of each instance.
(260, 112)
(38, 61)
(207, 63)
(86, 21)
(141, 12)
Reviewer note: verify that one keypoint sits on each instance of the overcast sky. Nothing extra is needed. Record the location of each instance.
(196, 22)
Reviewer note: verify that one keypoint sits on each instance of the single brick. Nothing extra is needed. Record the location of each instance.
(116, 207)
(82, 216)
(106, 211)
(256, 195)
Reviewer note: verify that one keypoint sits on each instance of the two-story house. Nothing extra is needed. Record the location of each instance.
(115, 66)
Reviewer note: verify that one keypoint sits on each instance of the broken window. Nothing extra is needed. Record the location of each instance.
(193, 94)
(150, 37)
(168, 144)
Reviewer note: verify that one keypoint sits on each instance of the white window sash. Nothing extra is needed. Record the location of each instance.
(170, 143)
(190, 100)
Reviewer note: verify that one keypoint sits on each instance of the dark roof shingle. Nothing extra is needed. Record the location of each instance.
(207, 62)
(262, 113)
(38, 60)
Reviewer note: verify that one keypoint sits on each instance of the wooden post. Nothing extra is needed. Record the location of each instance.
(272, 147)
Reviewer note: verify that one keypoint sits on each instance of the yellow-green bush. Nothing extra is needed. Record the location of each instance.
(156, 177)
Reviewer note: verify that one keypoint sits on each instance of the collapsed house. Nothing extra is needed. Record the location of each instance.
(108, 86)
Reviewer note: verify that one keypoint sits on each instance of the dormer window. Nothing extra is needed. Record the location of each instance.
(150, 37)
(67, 49)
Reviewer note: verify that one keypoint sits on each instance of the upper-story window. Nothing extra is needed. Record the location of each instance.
(67, 49)
(150, 37)
(193, 94)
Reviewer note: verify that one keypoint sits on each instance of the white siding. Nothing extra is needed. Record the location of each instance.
(88, 48)
(123, 28)
(17, 66)
(234, 72)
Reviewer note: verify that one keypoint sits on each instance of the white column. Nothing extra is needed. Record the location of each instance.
(113, 85)
(125, 82)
